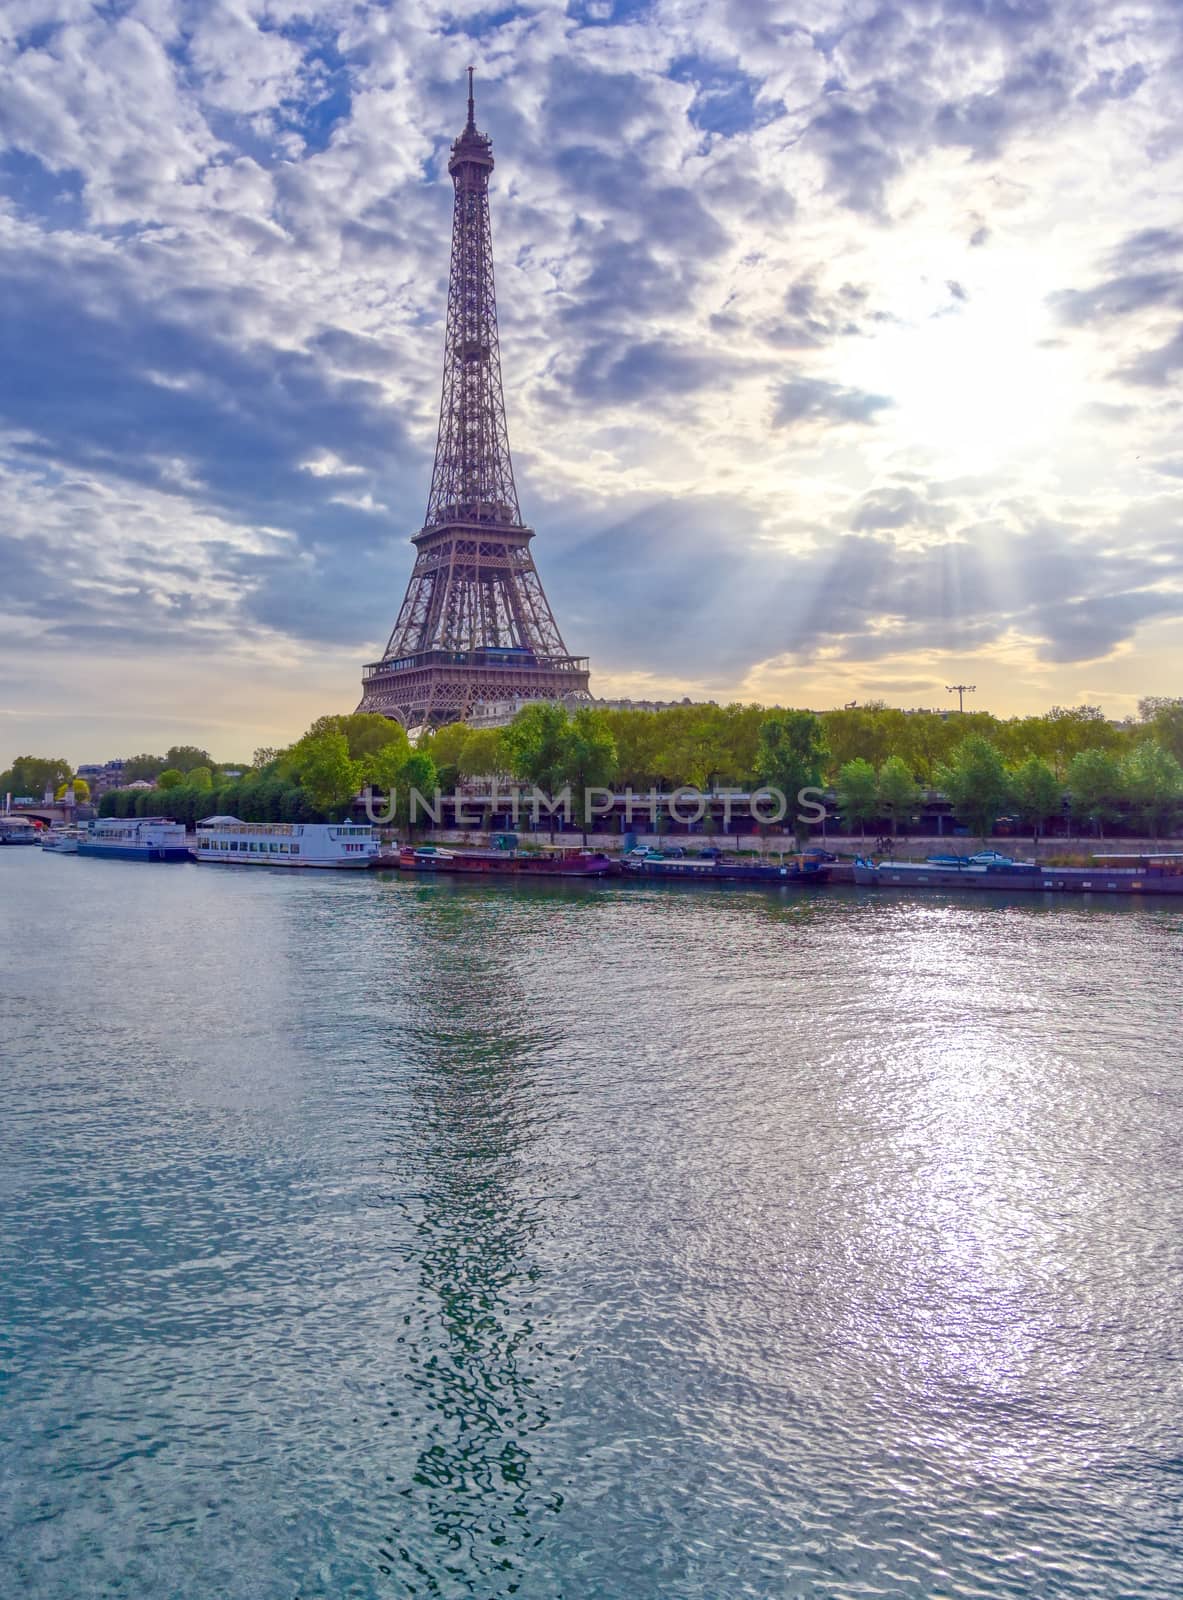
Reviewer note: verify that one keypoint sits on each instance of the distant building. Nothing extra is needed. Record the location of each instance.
(102, 776)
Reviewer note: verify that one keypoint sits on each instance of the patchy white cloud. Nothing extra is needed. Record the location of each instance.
(842, 343)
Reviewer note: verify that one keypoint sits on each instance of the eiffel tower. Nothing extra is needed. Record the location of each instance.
(475, 625)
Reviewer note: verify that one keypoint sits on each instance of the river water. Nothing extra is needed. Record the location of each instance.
(366, 1236)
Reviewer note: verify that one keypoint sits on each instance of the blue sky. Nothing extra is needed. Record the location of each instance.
(842, 347)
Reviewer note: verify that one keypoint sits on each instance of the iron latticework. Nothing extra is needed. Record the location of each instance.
(475, 625)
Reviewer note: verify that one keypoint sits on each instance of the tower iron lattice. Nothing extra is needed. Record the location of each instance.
(475, 625)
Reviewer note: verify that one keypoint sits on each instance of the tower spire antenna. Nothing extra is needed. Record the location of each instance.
(471, 128)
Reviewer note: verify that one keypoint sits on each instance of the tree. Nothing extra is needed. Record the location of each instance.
(898, 793)
(858, 733)
(1153, 783)
(265, 756)
(638, 738)
(199, 778)
(482, 755)
(858, 793)
(691, 744)
(976, 783)
(535, 743)
(927, 740)
(143, 768)
(326, 772)
(1165, 718)
(444, 746)
(791, 754)
(383, 767)
(366, 732)
(588, 757)
(1036, 793)
(1094, 787)
(1073, 729)
(170, 778)
(33, 775)
(184, 757)
(418, 773)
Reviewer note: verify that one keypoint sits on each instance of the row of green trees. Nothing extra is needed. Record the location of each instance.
(877, 761)
(706, 746)
(313, 780)
(1144, 786)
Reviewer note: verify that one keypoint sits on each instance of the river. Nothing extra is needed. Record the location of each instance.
(370, 1236)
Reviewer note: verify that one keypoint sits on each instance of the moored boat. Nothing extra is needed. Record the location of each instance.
(136, 839)
(991, 871)
(807, 866)
(63, 841)
(19, 830)
(227, 842)
(559, 861)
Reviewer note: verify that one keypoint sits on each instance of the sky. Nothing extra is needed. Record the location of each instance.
(842, 342)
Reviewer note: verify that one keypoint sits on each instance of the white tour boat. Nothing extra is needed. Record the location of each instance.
(227, 842)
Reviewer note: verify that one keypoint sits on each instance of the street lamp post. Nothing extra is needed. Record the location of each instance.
(961, 690)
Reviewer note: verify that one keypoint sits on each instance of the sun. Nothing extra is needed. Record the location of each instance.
(977, 376)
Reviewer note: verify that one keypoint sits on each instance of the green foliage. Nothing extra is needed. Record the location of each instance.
(482, 754)
(858, 793)
(365, 733)
(535, 744)
(1094, 787)
(33, 775)
(1069, 731)
(976, 783)
(294, 806)
(445, 747)
(1165, 719)
(639, 745)
(1036, 793)
(897, 790)
(184, 757)
(791, 753)
(381, 768)
(1152, 781)
(985, 765)
(418, 772)
(589, 756)
(326, 772)
(143, 768)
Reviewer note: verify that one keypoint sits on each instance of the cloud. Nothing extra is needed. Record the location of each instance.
(721, 240)
(1118, 297)
(1156, 368)
(804, 399)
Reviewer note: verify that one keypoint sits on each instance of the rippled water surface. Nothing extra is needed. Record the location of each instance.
(364, 1236)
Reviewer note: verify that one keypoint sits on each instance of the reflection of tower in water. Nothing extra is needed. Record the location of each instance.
(472, 1352)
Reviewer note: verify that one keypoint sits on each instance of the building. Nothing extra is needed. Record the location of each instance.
(475, 626)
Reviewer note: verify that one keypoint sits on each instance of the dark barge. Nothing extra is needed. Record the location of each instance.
(1116, 874)
(559, 862)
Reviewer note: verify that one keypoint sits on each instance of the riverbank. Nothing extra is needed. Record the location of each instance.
(916, 847)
